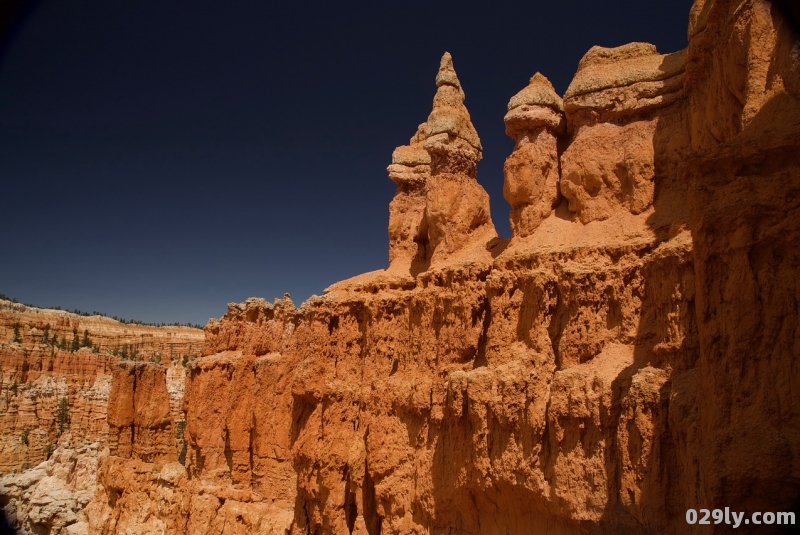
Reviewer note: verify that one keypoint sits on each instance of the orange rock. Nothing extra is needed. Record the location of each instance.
(603, 371)
(534, 120)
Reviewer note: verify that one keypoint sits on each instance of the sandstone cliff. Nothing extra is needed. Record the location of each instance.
(629, 353)
(46, 390)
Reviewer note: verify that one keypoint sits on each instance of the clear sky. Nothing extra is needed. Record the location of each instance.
(161, 159)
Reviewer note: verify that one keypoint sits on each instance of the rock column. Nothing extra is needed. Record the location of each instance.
(534, 121)
(439, 206)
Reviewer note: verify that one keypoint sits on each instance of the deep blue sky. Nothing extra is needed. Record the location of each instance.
(161, 159)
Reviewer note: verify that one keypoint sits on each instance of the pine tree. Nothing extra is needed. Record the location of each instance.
(46, 333)
(76, 344)
(62, 416)
(17, 339)
(86, 342)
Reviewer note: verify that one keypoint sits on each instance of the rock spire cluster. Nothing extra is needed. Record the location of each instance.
(439, 207)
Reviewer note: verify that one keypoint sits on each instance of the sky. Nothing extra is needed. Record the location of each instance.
(159, 160)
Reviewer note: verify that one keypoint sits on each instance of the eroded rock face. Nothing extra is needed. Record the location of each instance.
(601, 372)
(52, 497)
(439, 207)
(625, 111)
(36, 377)
(534, 121)
(408, 228)
(744, 205)
(139, 416)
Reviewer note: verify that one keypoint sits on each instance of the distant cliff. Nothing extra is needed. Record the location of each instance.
(49, 387)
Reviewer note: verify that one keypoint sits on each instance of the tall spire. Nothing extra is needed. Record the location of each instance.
(439, 207)
(449, 115)
(447, 74)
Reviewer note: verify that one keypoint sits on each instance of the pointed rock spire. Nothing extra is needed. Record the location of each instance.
(439, 207)
(449, 115)
(447, 74)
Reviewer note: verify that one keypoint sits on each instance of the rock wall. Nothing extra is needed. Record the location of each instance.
(36, 377)
(631, 352)
(108, 336)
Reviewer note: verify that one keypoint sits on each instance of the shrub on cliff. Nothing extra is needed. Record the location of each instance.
(17, 338)
(86, 342)
(76, 343)
(24, 436)
(62, 416)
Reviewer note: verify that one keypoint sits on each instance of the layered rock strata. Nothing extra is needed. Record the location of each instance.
(629, 354)
(439, 208)
(45, 390)
(107, 335)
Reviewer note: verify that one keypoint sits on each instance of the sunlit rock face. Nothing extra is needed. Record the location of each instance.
(629, 353)
(535, 120)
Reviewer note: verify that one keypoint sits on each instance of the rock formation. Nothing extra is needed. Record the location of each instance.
(534, 121)
(626, 114)
(629, 354)
(52, 497)
(439, 208)
(37, 377)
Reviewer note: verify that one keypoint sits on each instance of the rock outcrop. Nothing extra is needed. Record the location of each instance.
(46, 389)
(535, 120)
(439, 208)
(630, 353)
(52, 497)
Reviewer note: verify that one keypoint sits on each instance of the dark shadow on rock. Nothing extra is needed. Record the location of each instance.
(497, 245)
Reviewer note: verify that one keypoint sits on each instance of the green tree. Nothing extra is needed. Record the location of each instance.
(62, 416)
(54, 340)
(86, 342)
(180, 432)
(17, 339)
(76, 343)
(24, 436)
(46, 333)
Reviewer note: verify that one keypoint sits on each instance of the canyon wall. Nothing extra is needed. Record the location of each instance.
(46, 390)
(629, 353)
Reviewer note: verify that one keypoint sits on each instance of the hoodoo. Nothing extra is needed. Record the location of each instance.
(439, 207)
(535, 120)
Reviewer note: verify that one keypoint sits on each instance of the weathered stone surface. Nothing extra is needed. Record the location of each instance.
(608, 368)
(534, 120)
(439, 207)
(139, 416)
(52, 497)
(626, 112)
